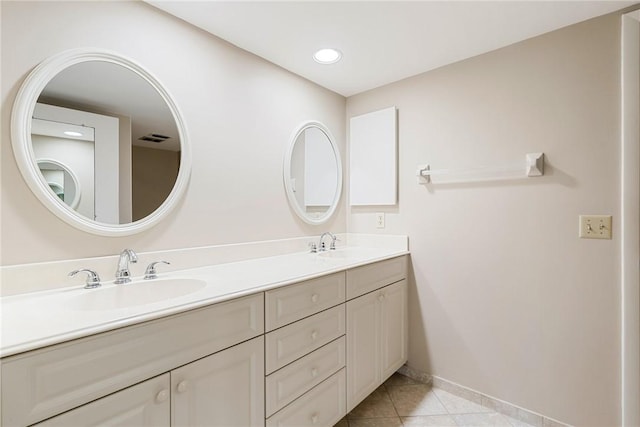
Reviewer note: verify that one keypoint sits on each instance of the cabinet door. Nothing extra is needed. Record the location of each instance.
(225, 389)
(363, 344)
(143, 405)
(394, 327)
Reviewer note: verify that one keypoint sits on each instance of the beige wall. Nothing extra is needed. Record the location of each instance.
(154, 174)
(239, 111)
(506, 299)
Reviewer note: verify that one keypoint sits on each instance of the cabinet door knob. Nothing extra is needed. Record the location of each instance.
(162, 396)
(314, 372)
(314, 298)
(314, 335)
(182, 386)
(381, 297)
(314, 418)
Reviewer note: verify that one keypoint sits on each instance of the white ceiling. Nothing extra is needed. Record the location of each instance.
(381, 41)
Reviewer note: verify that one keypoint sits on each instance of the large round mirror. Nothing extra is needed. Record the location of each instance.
(313, 173)
(104, 120)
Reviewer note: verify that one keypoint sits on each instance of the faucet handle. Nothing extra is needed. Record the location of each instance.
(313, 248)
(333, 242)
(93, 280)
(150, 272)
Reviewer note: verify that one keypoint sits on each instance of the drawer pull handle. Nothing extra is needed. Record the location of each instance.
(182, 386)
(381, 297)
(314, 419)
(314, 335)
(314, 372)
(314, 298)
(162, 396)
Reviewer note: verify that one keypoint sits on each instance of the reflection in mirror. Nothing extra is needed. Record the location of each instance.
(313, 173)
(62, 181)
(137, 147)
(92, 107)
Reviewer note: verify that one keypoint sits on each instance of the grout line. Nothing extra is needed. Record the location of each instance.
(386, 390)
(440, 401)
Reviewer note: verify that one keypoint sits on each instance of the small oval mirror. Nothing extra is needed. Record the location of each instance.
(108, 123)
(313, 173)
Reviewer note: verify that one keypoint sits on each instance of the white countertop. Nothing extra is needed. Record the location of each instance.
(38, 319)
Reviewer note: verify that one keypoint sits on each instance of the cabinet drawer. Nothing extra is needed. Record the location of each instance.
(143, 405)
(55, 379)
(287, 344)
(371, 277)
(291, 303)
(285, 385)
(323, 406)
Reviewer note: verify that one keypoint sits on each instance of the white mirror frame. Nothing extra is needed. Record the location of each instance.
(22, 114)
(287, 168)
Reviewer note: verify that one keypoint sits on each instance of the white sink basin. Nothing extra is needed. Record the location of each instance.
(135, 293)
(347, 253)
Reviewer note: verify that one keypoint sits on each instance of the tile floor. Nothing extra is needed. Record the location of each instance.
(401, 401)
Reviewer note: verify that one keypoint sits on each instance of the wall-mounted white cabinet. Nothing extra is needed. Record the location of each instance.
(373, 158)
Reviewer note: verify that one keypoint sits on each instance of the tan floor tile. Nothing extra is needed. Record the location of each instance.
(399, 379)
(457, 405)
(417, 399)
(429, 421)
(375, 422)
(342, 423)
(376, 405)
(480, 420)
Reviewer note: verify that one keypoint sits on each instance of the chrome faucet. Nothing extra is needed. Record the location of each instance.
(123, 275)
(332, 247)
(93, 280)
(151, 272)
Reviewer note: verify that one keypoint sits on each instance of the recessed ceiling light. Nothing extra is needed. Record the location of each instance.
(72, 133)
(327, 56)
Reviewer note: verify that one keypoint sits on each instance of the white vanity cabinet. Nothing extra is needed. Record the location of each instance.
(294, 356)
(44, 383)
(376, 326)
(305, 353)
(225, 389)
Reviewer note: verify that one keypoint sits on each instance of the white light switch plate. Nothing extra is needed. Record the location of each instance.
(595, 227)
